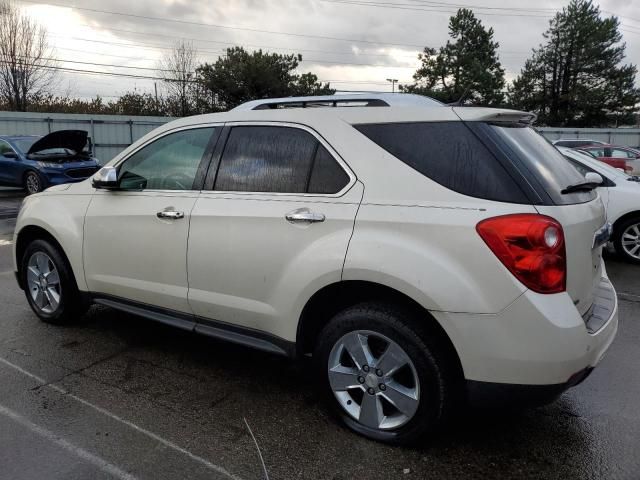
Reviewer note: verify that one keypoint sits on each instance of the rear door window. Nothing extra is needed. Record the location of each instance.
(272, 159)
(450, 154)
(327, 176)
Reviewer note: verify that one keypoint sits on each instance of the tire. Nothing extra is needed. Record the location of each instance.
(44, 264)
(33, 183)
(627, 240)
(430, 368)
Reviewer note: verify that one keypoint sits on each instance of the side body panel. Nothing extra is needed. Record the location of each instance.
(250, 267)
(433, 254)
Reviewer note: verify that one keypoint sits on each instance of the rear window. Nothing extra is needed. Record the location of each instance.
(450, 154)
(542, 162)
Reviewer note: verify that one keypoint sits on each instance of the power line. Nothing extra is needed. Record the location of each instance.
(149, 77)
(213, 25)
(405, 6)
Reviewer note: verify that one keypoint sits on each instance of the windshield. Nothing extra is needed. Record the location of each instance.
(541, 161)
(24, 144)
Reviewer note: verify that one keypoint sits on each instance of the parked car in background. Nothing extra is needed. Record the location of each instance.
(621, 195)
(576, 142)
(625, 158)
(36, 162)
(358, 232)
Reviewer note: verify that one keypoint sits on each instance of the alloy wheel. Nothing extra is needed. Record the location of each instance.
(374, 380)
(43, 281)
(33, 183)
(631, 241)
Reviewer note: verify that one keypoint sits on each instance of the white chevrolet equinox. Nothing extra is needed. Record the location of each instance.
(421, 254)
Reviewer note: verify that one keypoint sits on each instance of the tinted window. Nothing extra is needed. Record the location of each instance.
(4, 147)
(539, 159)
(266, 159)
(327, 175)
(169, 163)
(450, 154)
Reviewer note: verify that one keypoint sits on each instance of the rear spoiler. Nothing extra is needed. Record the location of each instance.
(493, 115)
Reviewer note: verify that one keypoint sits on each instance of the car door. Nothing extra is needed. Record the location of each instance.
(135, 245)
(270, 229)
(10, 168)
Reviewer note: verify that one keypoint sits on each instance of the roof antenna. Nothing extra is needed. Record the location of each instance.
(460, 101)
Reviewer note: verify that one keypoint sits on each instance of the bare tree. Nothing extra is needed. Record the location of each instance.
(27, 70)
(177, 68)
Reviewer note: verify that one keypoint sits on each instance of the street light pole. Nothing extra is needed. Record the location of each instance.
(393, 84)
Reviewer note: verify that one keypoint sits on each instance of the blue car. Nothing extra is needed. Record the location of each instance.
(35, 163)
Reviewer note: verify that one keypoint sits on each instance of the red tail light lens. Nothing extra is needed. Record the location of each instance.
(531, 246)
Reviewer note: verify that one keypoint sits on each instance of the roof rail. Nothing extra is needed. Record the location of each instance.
(352, 100)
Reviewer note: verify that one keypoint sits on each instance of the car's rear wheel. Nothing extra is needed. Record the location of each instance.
(627, 240)
(32, 183)
(49, 284)
(383, 375)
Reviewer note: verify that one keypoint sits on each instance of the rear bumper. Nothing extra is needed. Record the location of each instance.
(538, 341)
(495, 395)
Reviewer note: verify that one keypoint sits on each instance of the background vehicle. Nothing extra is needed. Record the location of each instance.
(35, 162)
(361, 235)
(625, 158)
(621, 195)
(575, 142)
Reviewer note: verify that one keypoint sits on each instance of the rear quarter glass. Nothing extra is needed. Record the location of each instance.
(450, 154)
(538, 161)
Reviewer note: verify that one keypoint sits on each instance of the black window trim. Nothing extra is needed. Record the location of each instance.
(214, 167)
(204, 161)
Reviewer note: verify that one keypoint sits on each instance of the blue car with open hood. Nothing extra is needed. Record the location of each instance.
(36, 162)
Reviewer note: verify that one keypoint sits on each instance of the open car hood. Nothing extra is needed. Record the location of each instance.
(74, 140)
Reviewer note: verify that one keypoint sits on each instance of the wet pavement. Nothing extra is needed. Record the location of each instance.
(121, 397)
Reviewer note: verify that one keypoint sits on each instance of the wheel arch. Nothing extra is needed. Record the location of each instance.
(331, 299)
(624, 218)
(28, 234)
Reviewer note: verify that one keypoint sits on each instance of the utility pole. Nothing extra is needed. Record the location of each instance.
(393, 84)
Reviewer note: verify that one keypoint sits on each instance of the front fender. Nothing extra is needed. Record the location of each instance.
(62, 216)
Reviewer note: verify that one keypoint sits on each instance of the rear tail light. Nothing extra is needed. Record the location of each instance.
(532, 248)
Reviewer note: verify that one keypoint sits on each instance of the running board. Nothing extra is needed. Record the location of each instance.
(211, 328)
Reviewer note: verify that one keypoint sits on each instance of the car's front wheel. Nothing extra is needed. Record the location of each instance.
(627, 240)
(49, 284)
(383, 374)
(33, 183)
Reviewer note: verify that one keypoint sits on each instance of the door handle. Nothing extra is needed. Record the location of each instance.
(304, 216)
(170, 214)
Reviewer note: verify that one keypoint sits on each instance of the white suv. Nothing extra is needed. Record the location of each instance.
(420, 253)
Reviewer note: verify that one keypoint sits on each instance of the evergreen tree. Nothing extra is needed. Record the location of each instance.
(241, 76)
(466, 68)
(577, 78)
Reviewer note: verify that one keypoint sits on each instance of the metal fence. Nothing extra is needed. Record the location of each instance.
(616, 136)
(110, 134)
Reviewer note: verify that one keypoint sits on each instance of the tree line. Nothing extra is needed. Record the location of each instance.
(577, 76)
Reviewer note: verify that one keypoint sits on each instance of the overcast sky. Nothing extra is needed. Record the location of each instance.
(355, 44)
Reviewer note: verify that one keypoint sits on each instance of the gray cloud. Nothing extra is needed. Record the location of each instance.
(405, 28)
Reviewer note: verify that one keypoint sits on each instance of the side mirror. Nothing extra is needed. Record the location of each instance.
(10, 154)
(593, 177)
(106, 179)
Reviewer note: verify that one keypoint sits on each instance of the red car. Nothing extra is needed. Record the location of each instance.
(625, 158)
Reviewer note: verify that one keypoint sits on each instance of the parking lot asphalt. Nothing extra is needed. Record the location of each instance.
(120, 397)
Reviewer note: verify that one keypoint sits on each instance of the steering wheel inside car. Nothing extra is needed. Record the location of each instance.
(177, 181)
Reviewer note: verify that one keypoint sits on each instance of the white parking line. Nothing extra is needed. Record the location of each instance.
(80, 452)
(5, 243)
(149, 434)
